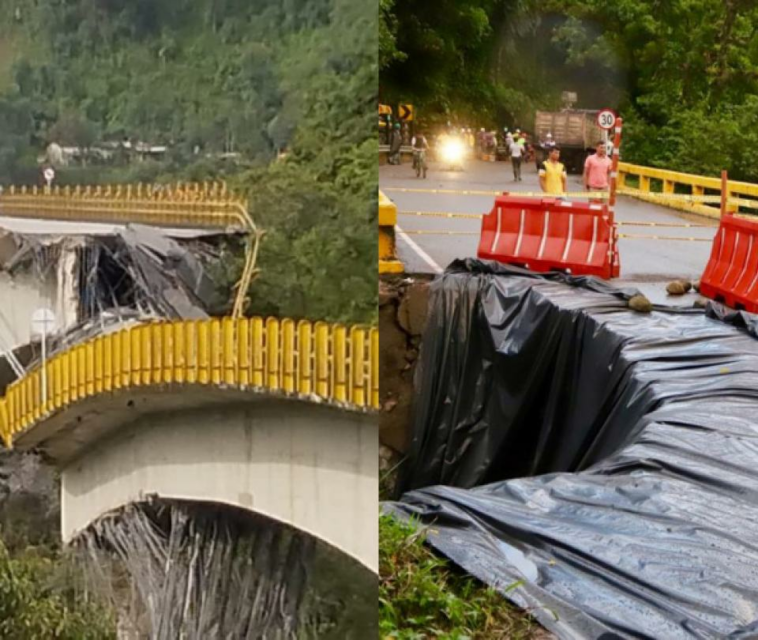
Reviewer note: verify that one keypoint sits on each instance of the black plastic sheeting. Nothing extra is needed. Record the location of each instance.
(640, 432)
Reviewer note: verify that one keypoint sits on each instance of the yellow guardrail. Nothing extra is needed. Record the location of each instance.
(196, 205)
(697, 201)
(314, 361)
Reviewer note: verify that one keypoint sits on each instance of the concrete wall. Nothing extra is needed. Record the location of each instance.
(309, 466)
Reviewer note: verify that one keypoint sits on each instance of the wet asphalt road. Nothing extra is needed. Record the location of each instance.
(645, 263)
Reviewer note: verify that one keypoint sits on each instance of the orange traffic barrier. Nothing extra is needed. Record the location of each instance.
(731, 275)
(551, 235)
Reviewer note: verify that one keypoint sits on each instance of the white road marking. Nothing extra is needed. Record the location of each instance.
(419, 251)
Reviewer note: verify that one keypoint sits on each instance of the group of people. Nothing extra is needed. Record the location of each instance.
(596, 175)
(552, 172)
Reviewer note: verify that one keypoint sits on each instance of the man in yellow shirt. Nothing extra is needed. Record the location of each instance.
(553, 174)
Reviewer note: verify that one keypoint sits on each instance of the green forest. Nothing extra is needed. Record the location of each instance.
(278, 98)
(682, 73)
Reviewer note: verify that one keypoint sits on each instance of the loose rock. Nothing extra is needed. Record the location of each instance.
(640, 303)
(676, 288)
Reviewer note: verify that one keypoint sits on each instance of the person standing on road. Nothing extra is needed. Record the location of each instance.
(597, 169)
(517, 153)
(553, 174)
(396, 142)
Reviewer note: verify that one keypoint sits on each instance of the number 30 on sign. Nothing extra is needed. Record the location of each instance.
(606, 119)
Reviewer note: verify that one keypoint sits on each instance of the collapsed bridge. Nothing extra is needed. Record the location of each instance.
(201, 452)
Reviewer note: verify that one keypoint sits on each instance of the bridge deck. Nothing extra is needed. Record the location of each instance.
(645, 263)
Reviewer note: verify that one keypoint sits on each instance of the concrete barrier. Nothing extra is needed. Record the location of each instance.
(388, 262)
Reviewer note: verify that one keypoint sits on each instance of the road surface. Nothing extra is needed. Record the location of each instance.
(646, 264)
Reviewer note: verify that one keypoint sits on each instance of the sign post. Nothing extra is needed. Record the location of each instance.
(43, 322)
(607, 119)
(618, 122)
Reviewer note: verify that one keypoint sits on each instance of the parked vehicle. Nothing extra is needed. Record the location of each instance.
(575, 132)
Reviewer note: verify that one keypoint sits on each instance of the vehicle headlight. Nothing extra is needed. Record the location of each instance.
(452, 151)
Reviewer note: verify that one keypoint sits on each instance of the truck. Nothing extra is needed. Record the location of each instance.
(575, 132)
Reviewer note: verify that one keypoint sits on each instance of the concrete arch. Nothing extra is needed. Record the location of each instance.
(311, 467)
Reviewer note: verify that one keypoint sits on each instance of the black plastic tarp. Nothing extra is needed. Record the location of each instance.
(604, 459)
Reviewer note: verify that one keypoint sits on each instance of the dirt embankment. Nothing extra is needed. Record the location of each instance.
(403, 305)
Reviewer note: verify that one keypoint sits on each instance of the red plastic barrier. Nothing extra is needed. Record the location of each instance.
(731, 275)
(549, 235)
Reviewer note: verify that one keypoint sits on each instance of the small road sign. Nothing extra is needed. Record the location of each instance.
(49, 174)
(43, 322)
(405, 112)
(606, 119)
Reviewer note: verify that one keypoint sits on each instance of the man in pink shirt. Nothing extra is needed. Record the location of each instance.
(597, 169)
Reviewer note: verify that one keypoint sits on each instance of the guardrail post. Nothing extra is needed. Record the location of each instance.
(388, 262)
(644, 184)
(726, 195)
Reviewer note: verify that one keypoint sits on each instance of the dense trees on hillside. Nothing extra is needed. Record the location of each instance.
(194, 73)
(683, 73)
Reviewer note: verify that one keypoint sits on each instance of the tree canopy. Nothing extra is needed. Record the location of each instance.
(684, 74)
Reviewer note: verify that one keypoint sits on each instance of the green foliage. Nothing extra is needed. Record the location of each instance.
(692, 69)
(421, 596)
(440, 56)
(388, 51)
(38, 599)
(319, 205)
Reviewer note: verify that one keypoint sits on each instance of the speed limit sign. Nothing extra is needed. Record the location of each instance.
(606, 119)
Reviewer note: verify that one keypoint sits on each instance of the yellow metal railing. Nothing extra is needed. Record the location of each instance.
(696, 200)
(315, 361)
(197, 205)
